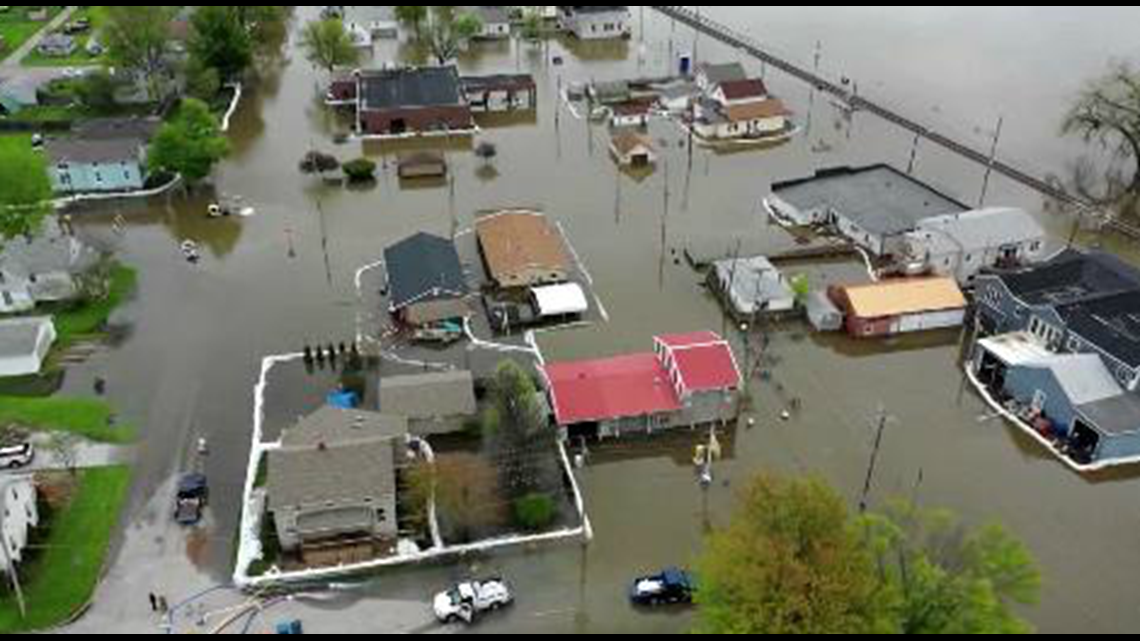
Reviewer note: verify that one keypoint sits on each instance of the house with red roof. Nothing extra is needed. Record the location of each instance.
(688, 380)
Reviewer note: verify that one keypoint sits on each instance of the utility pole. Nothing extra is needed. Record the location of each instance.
(873, 463)
(913, 154)
(993, 159)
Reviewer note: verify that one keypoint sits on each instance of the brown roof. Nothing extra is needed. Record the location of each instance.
(516, 241)
(904, 296)
(627, 141)
(770, 108)
(744, 89)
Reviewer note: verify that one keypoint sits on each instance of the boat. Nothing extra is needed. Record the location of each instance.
(190, 251)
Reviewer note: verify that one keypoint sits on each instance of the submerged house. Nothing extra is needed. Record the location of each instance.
(874, 206)
(494, 22)
(900, 306)
(633, 150)
(331, 486)
(426, 281)
(710, 76)
(963, 245)
(687, 380)
(596, 23)
(1045, 335)
(522, 249)
(753, 286)
(500, 92)
(411, 101)
(733, 108)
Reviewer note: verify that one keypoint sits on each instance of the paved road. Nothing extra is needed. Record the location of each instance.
(13, 61)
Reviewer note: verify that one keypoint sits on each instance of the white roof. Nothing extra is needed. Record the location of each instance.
(560, 300)
(1084, 377)
(983, 229)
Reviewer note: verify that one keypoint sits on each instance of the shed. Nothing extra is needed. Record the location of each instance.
(901, 306)
(554, 301)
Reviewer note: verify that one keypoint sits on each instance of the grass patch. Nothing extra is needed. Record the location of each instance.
(71, 549)
(89, 418)
(97, 16)
(88, 318)
(16, 29)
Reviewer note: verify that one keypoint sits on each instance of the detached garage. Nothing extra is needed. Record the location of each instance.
(901, 306)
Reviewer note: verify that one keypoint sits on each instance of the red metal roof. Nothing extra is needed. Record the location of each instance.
(708, 368)
(607, 389)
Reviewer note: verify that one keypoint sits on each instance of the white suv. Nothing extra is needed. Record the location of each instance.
(17, 456)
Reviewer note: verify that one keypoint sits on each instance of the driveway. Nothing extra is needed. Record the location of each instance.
(13, 61)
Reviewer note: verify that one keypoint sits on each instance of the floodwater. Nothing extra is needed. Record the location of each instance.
(186, 364)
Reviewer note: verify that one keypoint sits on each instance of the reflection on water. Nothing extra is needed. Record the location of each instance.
(284, 278)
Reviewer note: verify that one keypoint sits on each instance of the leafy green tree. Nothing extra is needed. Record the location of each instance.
(221, 41)
(190, 144)
(137, 39)
(414, 16)
(450, 28)
(26, 188)
(517, 432)
(953, 580)
(790, 562)
(327, 45)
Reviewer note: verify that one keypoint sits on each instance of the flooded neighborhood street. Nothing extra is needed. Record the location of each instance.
(184, 365)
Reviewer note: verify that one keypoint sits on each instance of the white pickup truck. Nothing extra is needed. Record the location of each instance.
(466, 601)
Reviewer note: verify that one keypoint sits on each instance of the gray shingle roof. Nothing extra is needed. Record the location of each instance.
(20, 336)
(334, 459)
(879, 198)
(427, 396)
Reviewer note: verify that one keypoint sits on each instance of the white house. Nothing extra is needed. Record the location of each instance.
(495, 22)
(19, 515)
(24, 344)
(754, 120)
(709, 76)
(962, 245)
(596, 23)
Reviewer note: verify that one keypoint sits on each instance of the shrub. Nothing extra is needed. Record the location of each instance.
(360, 170)
(535, 512)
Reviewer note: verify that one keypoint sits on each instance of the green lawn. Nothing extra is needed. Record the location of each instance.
(89, 418)
(70, 555)
(24, 180)
(16, 29)
(89, 319)
(97, 16)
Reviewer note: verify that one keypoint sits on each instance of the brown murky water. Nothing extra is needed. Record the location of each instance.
(187, 366)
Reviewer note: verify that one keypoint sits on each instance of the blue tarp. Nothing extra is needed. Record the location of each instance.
(344, 400)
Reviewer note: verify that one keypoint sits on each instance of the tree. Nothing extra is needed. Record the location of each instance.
(790, 561)
(190, 144)
(360, 170)
(202, 82)
(466, 492)
(1107, 114)
(327, 45)
(26, 187)
(449, 29)
(414, 16)
(137, 38)
(953, 580)
(96, 91)
(516, 430)
(316, 162)
(221, 41)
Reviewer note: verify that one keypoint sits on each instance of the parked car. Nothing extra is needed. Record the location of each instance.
(19, 456)
(193, 496)
(467, 601)
(670, 587)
